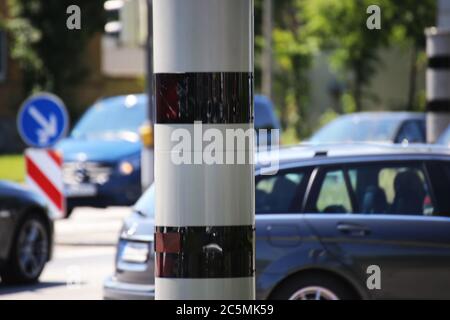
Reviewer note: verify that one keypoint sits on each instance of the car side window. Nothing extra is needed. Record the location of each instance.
(411, 132)
(439, 172)
(333, 196)
(275, 194)
(392, 189)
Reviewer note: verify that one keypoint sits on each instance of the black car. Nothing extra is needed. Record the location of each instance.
(26, 235)
(335, 222)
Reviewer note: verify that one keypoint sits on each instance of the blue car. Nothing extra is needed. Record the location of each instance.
(102, 155)
(382, 127)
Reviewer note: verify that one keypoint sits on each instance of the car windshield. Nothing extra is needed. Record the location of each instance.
(357, 129)
(146, 204)
(445, 138)
(114, 118)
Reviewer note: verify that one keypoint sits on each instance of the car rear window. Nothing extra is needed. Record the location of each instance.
(400, 189)
(392, 189)
(439, 172)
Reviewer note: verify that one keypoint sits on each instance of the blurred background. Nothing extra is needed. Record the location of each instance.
(314, 59)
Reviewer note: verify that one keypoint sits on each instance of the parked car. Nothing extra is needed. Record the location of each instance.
(393, 127)
(102, 155)
(444, 139)
(324, 220)
(26, 235)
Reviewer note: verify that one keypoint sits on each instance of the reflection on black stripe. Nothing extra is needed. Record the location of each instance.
(206, 252)
(439, 62)
(212, 98)
(439, 105)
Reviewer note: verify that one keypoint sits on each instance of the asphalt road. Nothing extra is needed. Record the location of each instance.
(83, 258)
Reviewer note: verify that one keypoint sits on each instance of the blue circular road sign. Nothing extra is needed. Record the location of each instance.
(42, 120)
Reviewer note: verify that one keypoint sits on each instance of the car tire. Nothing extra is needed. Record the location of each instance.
(312, 286)
(30, 252)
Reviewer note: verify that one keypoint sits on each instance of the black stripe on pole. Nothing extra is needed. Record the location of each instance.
(204, 252)
(439, 62)
(211, 98)
(442, 105)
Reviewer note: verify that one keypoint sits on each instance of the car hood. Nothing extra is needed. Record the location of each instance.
(97, 149)
(9, 189)
(138, 227)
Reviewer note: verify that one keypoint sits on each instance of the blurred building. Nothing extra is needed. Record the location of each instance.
(116, 59)
(388, 89)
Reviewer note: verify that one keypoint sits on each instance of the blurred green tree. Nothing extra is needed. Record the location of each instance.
(49, 54)
(409, 20)
(340, 27)
(293, 53)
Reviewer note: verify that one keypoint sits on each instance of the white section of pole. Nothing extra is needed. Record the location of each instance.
(438, 82)
(444, 14)
(203, 36)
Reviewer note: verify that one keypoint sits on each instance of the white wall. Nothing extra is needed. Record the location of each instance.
(390, 84)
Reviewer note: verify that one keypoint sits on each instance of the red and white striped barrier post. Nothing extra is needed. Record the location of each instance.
(44, 176)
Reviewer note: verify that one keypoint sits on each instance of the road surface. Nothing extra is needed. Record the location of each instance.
(83, 258)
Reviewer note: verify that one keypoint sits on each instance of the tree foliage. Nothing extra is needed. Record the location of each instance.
(49, 54)
(292, 56)
(340, 27)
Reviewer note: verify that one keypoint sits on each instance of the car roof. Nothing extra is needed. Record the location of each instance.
(386, 114)
(308, 154)
(140, 98)
(259, 99)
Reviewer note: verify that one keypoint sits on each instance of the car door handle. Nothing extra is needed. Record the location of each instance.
(353, 229)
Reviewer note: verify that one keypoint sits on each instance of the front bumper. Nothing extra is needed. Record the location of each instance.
(115, 290)
(119, 191)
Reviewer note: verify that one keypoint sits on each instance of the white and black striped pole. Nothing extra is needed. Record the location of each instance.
(438, 82)
(203, 65)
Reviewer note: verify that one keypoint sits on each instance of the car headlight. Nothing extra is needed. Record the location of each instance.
(128, 166)
(128, 229)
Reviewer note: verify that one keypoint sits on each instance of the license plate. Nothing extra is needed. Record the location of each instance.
(135, 252)
(81, 190)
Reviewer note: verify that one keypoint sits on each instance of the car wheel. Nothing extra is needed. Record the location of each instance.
(30, 252)
(314, 287)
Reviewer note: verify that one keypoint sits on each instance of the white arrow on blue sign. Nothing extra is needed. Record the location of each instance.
(42, 120)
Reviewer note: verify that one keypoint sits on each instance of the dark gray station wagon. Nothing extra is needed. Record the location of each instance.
(335, 222)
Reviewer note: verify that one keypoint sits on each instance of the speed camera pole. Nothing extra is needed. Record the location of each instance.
(438, 82)
(203, 66)
(438, 73)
